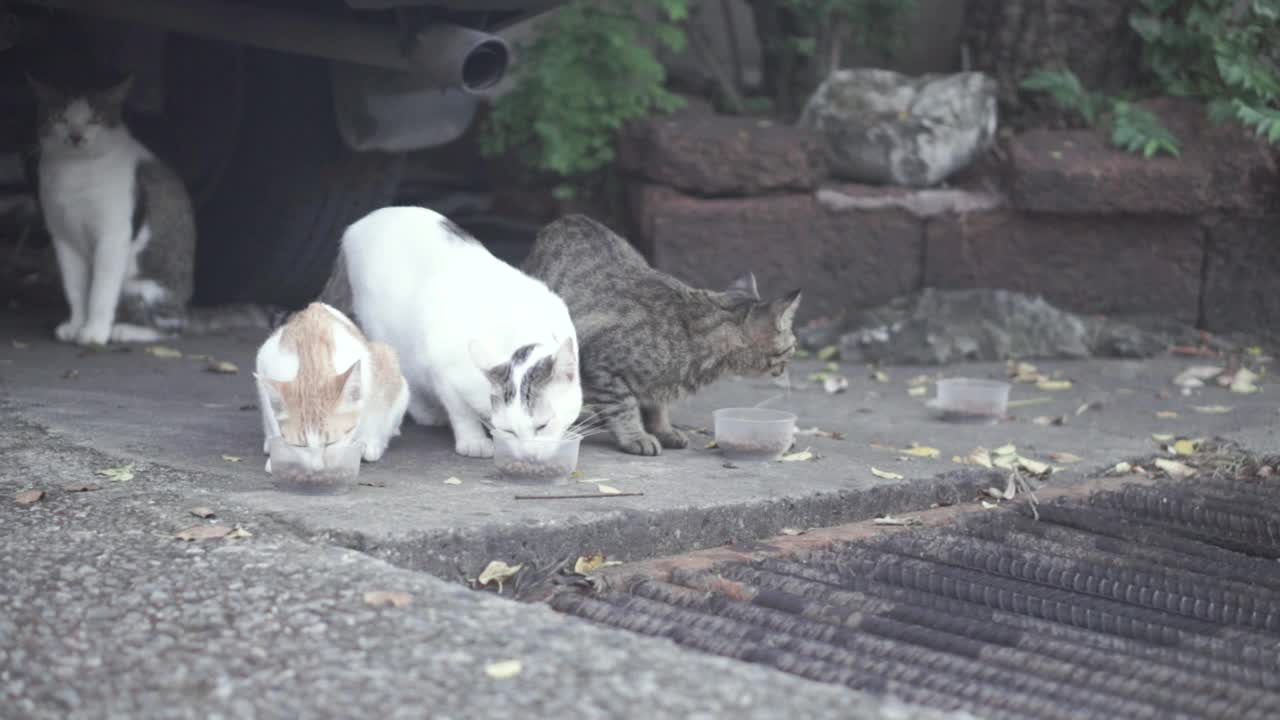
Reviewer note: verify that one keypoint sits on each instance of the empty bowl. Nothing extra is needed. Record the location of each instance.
(754, 433)
(314, 471)
(542, 461)
(972, 400)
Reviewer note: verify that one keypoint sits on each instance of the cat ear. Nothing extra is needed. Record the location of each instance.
(784, 309)
(120, 91)
(744, 287)
(348, 383)
(566, 368)
(497, 370)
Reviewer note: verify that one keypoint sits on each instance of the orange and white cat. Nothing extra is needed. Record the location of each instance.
(322, 383)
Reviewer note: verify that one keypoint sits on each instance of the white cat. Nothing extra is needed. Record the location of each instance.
(481, 342)
(320, 383)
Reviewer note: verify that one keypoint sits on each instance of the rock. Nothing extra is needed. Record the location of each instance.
(718, 155)
(840, 258)
(1079, 171)
(882, 127)
(935, 327)
(1242, 275)
(1110, 264)
(940, 326)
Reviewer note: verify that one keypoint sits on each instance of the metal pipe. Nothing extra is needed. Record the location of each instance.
(443, 54)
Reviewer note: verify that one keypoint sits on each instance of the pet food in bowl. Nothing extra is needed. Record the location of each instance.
(314, 471)
(970, 400)
(754, 433)
(541, 461)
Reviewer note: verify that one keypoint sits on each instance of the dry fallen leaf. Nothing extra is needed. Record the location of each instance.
(1026, 402)
(1162, 437)
(791, 532)
(161, 351)
(923, 451)
(1051, 385)
(979, 456)
(712, 445)
(880, 376)
(920, 380)
(918, 391)
(885, 474)
(1035, 467)
(232, 458)
(588, 563)
(29, 497)
(239, 533)
(503, 669)
(1186, 447)
(1175, 469)
(1123, 468)
(385, 598)
(203, 513)
(835, 384)
(1243, 382)
(224, 367)
(1024, 372)
(989, 505)
(124, 473)
(1065, 458)
(452, 481)
(203, 532)
(1211, 409)
(1167, 415)
(891, 520)
(607, 489)
(19, 345)
(499, 572)
(1044, 420)
(1006, 450)
(79, 487)
(1194, 376)
(828, 353)
(797, 456)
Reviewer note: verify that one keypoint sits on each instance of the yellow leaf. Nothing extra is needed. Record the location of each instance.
(385, 598)
(885, 474)
(798, 456)
(1053, 385)
(1175, 469)
(1123, 468)
(1035, 467)
(1065, 458)
(1167, 415)
(499, 572)
(161, 351)
(20, 345)
(124, 473)
(1162, 437)
(1005, 462)
(1005, 450)
(238, 533)
(1211, 409)
(608, 489)
(1186, 447)
(588, 563)
(979, 456)
(452, 481)
(503, 669)
(232, 458)
(918, 391)
(712, 445)
(1243, 382)
(224, 367)
(919, 381)
(880, 376)
(832, 367)
(1043, 420)
(1024, 402)
(922, 451)
(1024, 372)
(828, 352)
(989, 505)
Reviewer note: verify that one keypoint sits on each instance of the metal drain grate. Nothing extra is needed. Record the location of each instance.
(1138, 602)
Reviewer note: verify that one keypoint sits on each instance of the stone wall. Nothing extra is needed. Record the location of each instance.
(1058, 213)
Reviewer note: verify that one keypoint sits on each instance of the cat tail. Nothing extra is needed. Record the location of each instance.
(234, 316)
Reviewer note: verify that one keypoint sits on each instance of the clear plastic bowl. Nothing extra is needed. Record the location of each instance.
(754, 433)
(542, 461)
(972, 400)
(306, 471)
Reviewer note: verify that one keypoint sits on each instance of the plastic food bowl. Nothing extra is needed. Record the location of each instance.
(754, 433)
(970, 400)
(306, 471)
(542, 461)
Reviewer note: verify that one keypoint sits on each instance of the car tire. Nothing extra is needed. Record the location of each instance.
(271, 207)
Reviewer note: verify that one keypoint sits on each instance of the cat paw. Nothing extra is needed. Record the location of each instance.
(474, 447)
(268, 468)
(67, 331)
(373, 452)
(641, 445)
(672, 439)
(93, 335)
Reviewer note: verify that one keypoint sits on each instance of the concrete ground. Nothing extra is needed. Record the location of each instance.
(115, 617)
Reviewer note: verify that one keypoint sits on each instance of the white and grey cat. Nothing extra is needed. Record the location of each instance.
(122, 226)
(481, 343)
(321, 383)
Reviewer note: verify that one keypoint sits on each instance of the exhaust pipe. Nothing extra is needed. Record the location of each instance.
(451, 56)
(443, 54)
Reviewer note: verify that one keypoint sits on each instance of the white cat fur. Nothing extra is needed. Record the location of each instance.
(382, 394)
(452, 311)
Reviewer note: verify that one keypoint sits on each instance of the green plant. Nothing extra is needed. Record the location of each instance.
(1225, 52)
(1131, 127)
(585, 74)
